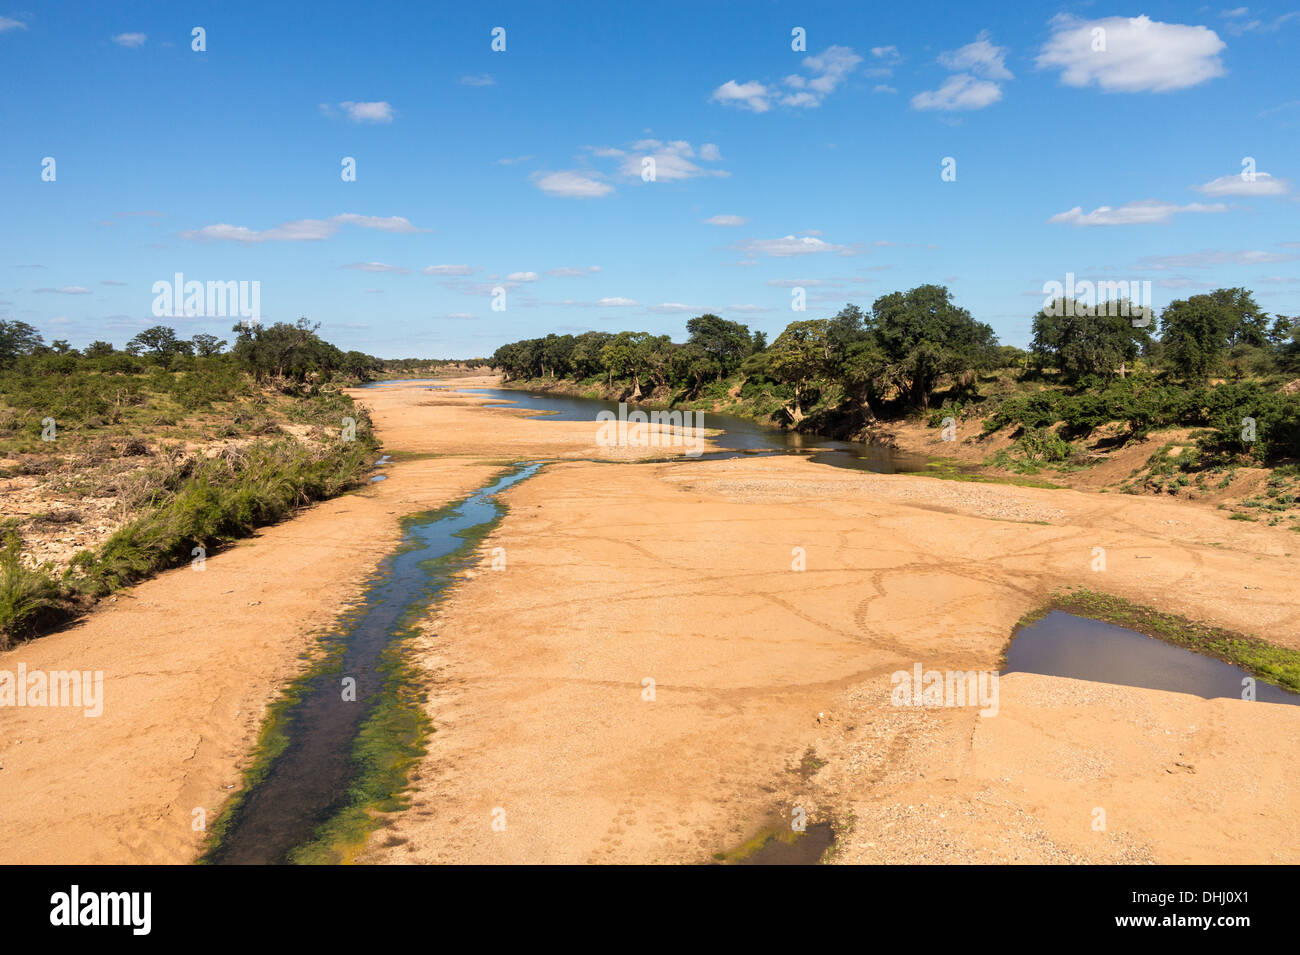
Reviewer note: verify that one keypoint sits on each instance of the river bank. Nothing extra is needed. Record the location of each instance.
(769, 685)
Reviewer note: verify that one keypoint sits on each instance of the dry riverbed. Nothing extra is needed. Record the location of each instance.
(650, 679)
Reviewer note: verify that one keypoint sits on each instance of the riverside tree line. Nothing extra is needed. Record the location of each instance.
(1210, 360)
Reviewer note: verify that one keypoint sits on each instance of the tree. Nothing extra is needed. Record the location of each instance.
(283, 351)
(726, 342)
(159, 342)
(1195, 335)
(98, 349)
(797, 357)
(624, 355)
(205, 346)
(17, 339)
(1083, 340)
(924, 336)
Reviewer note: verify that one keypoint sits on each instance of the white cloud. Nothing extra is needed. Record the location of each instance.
(379, 112)
(448, 270)
(1239, 26)
(616, 302)
(885, 59)
(962, 91)
(571, 184)
(66, 290)
(882, 88)
(790, 245)
(1262, 185)
(672, 161)
(131, 40)
(1141, 55)
(522, 277)
(674, 308)
(1142, 212)
(748, 308)
(572, 272)
(709, 152)
(753, 96)
(980, 57)
(828, 68)
(7, 23)
(726, 220)
(1209, 258)
(382, 223)
(376, 267)
(510, 161)
(300, 230)
(483, 79)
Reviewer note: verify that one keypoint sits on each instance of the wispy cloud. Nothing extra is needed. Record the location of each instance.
(962, 91)
(753, 96)
(375, 267)
(1240, 22)
(448, 270)
(1209, 258)
(66, 290)
(790, 246)
(1142, 212)
(572, 184)
(8, 23)
(1260, 184)
(300, 230)
(828, 70)
(482, 79)
(130, 40)
(980, 57)
(573, 272)
(825, 72)
(725, 220)
(981, 69)
(376, 112)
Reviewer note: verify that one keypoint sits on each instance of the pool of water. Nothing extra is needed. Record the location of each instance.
(1062, 644)
(308, 783)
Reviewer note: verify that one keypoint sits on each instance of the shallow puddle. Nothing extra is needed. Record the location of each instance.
(1062, 644)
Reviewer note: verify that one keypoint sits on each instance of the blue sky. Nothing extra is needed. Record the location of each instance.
(521, 169)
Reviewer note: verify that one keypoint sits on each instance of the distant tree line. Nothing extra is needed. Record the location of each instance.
(901, 349)
(292, 354)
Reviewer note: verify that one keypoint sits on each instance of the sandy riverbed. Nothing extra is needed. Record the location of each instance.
(770, 684)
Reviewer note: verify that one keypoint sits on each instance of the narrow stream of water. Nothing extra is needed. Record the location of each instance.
(308, 783)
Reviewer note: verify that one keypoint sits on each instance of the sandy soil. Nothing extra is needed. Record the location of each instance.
(771, 685)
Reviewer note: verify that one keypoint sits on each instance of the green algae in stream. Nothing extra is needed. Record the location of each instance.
(778, 844)
(393, 736)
